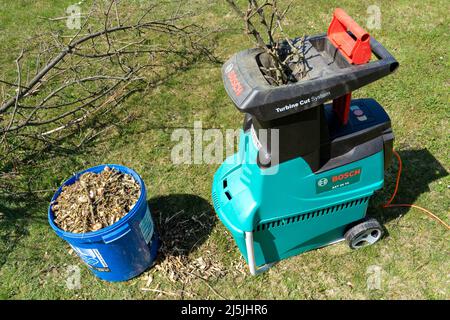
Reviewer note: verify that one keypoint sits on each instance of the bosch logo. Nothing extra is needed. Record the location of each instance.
(346, 175)
(322, 182)
(234, 81)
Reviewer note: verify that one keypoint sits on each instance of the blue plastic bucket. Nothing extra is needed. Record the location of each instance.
(123, 250)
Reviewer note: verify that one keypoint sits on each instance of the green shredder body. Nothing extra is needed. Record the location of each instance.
(301, 177)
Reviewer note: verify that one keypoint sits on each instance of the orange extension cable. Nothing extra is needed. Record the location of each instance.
(390, 205)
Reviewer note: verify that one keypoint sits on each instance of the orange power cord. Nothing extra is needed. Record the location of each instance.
(390, 205)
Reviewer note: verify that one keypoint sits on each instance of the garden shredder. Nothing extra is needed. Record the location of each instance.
(305, 170)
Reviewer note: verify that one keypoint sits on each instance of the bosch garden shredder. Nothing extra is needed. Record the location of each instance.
(305, 170)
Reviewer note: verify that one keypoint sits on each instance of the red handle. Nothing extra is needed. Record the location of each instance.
(351, 24)
(355, 51)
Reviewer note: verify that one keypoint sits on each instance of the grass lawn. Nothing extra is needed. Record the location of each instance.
(412, 259)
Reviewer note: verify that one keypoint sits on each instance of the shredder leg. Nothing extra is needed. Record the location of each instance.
(251, 256)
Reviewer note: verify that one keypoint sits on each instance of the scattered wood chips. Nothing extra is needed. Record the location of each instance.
(183, 265)
(95, 201)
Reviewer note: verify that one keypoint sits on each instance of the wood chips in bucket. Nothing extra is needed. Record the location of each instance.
(95, 201)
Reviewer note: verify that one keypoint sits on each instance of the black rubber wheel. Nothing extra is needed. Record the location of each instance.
(364, 234)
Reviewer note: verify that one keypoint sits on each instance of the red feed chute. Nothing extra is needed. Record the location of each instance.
(355, 49)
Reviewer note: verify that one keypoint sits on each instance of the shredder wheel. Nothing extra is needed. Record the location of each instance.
(364, 234)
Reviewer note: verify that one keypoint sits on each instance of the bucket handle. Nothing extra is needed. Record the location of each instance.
(251, 256)
(119, 233)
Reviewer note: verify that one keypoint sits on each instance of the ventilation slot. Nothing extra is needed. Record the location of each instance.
(215, 200)
(225, 183)
(310, 215)
(228, 195)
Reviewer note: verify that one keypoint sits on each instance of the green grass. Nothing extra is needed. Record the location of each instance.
(414, 256)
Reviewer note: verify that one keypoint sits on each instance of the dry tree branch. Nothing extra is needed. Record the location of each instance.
(283, 60)
(16, 100)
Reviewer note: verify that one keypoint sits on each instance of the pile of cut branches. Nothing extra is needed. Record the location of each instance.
(70, 85)
(283, 59)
